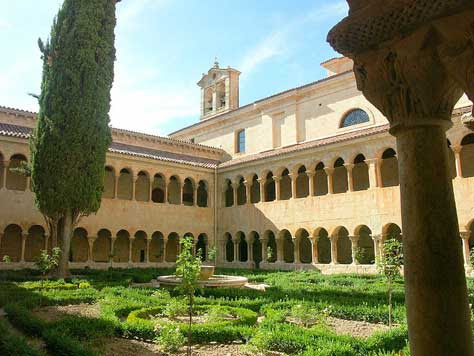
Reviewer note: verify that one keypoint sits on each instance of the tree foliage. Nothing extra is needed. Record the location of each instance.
(70, 142)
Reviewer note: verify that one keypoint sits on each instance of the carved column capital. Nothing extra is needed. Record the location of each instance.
(329, 170)
(465, 235)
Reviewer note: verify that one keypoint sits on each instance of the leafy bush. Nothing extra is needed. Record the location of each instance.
(24, 320)
(175, 307)
(59, 344)
(14, 345)
(171, 338)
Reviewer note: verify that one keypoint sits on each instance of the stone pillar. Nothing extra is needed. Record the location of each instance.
(465, 247)
(314, 250)
(165, 242)
(377, 239)
(293, 177)
(24, 236)
(311, 175)
(350, 179)
(90, 241)
(248, 193)
(150, 195)
(112, 249)
(414, 69)
(457, 156)
(3, 182)
(261, 181)
(296, 250)
(277, 187)
(130, 249)
(373, 164)
(181, 189)
(134, 184)
(250, 251)
(46, 242)
(147, 252)
(280, 247)
(116, 184)
(214, 99)
(354, 246)
(236, 251)
(235, 186)
(333, 240)
(264, 250)
(195, 195)
(329, 171)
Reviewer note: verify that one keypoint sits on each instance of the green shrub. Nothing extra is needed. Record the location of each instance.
(24, 320)
(59, 344)
(84, 329)
(175, 307)
(14, 345)
(171, 338)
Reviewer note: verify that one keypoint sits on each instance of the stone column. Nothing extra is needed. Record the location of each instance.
(350, 179)
(377, 239)
(248, 193)
(333, 240)
(465, 235)
(116, 184)
(414, 68)
(280, 256)
(112, 251)
(134, 184)
(250, 251)
(90, 241)
(147, 252)
(235, 186)
(150, 195)
(24, 236)
(354, 246)
(261, 181)
(195, 195)
(46, 242)
(373, 164)
(296, 248)
(181, 189)
(293, 177)
(3, 182)
(314, 250)
(329, 171)
(264, 250)
(236, 251)
(457, 156)
(165, 242)
(130, 249)
(277, 187)
(311, 175)
(214, 99)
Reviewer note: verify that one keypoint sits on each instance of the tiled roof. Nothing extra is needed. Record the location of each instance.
(30, 114)
(322, 142)
(25, 132)
(162, 155)
(307, 145)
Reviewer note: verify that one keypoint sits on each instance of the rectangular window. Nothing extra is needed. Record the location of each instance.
(241, 141)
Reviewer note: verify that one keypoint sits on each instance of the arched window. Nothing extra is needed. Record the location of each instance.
(220, 94)
(241, 192)
(202, 194)
(339, 177)
(240, 141)
(159, 188)
(16, 180)
(302, 183)
(142, 187)
(320, 180)
(188, 192)
(389, 168)
(360, 173)
(285, 185)
(355, 117)
(270, 192)
(174, 191)
(125, 185)
(228, 194)
(255, 190)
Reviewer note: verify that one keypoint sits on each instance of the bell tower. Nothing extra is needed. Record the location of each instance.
(219, 91)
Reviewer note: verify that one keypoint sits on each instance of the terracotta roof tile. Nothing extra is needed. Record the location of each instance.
(25, 132)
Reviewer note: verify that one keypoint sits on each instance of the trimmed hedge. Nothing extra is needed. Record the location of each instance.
(137, 324)
(13, 345)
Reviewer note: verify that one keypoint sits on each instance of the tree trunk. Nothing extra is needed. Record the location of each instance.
(190, 325)
(63, 268)
(389, 303)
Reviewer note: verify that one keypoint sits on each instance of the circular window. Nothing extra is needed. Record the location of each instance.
(355, 117)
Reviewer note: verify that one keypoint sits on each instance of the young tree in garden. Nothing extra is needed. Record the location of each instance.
(70, 141)
(389, 265)
(188, 269)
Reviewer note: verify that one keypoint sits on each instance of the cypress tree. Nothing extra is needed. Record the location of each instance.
(72, 136)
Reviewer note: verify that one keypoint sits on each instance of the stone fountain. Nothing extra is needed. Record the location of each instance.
(207, 279)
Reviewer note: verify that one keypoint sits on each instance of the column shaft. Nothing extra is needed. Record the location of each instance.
(116, 186)
(293, 177)
(91, 245)
(314, 251)
(277, 187)
(329, 172)
(434, 268)
(334, 250)
(262, 189)
(264, 250)
(354, 246)
(372, 163)
(24, 236)
(236, 251)
(311, 182)
(457, 156)
(248, 187)
(130, 248)
(296, 245)
(350, 178)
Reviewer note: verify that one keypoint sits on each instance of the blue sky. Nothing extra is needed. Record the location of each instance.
(164, 46)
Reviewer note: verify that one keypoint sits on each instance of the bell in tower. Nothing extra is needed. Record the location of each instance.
(219, 91)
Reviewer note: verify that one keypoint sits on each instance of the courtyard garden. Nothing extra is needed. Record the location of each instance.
(119, 312)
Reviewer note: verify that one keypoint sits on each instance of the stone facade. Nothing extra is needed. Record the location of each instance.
(302, 179)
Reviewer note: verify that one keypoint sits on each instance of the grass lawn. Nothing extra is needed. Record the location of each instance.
(300, 313)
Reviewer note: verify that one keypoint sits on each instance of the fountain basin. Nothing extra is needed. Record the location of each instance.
(206, 272)
(214, 281)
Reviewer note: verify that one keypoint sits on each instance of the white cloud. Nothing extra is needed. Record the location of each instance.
(140, 104)
(277, 42)
(128, 11)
